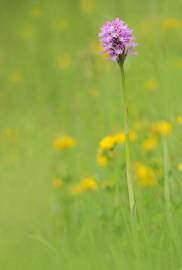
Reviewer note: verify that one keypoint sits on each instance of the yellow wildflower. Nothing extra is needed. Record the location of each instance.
(88, 184)
(102, 160)
(64, 142)
(64, 62)
(151, 85)
(119, 137)
(149, 144)
(162, 128)
(179, 120)
(132, 135)
(180, 167)
(36, 12)
(171, 23)
(15, 77)
(107, 143)
(86, 6)
(57, 183)
(84, 185)
(145, 175)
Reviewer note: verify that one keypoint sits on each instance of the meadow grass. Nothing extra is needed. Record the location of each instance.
(54, 83)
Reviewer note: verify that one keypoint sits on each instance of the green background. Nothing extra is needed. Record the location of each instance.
(84, 101)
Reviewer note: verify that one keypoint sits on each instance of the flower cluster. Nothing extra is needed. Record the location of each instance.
(162, 128)
(108, 146)
(85, 184)
(117, 40)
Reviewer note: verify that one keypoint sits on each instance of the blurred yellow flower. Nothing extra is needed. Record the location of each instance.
(177, 63)
(57, 183)
(162, 128)
(132, 135)
(179, 119)
(86, 6)
(149, 144)
(93, 92)
(180, 167)
(15, 77)
(107, 143)
(36, 12)
(88, 184)
(64, 142)
(101, 160)
(145, 175)
(151, 85)
(61, 24)
(95, 48)
(76, 190)
(171, 23)
(12, 135)
(26, 34)
(8, 132)
(84, 185)
(64, 62)
(119, 137)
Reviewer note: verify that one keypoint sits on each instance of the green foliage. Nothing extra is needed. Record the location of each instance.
(54, 82)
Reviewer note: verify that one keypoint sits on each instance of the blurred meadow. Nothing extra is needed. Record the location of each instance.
(63, 202)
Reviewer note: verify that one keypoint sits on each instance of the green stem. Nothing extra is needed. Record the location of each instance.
(167, 194)
(127, 144)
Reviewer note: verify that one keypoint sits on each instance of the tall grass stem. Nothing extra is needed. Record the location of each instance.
(127, 143)
(167, 193)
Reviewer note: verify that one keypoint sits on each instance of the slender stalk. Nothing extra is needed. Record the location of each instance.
(127, 144)
(167, 194)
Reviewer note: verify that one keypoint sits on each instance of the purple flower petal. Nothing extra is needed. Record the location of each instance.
(117, 39)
